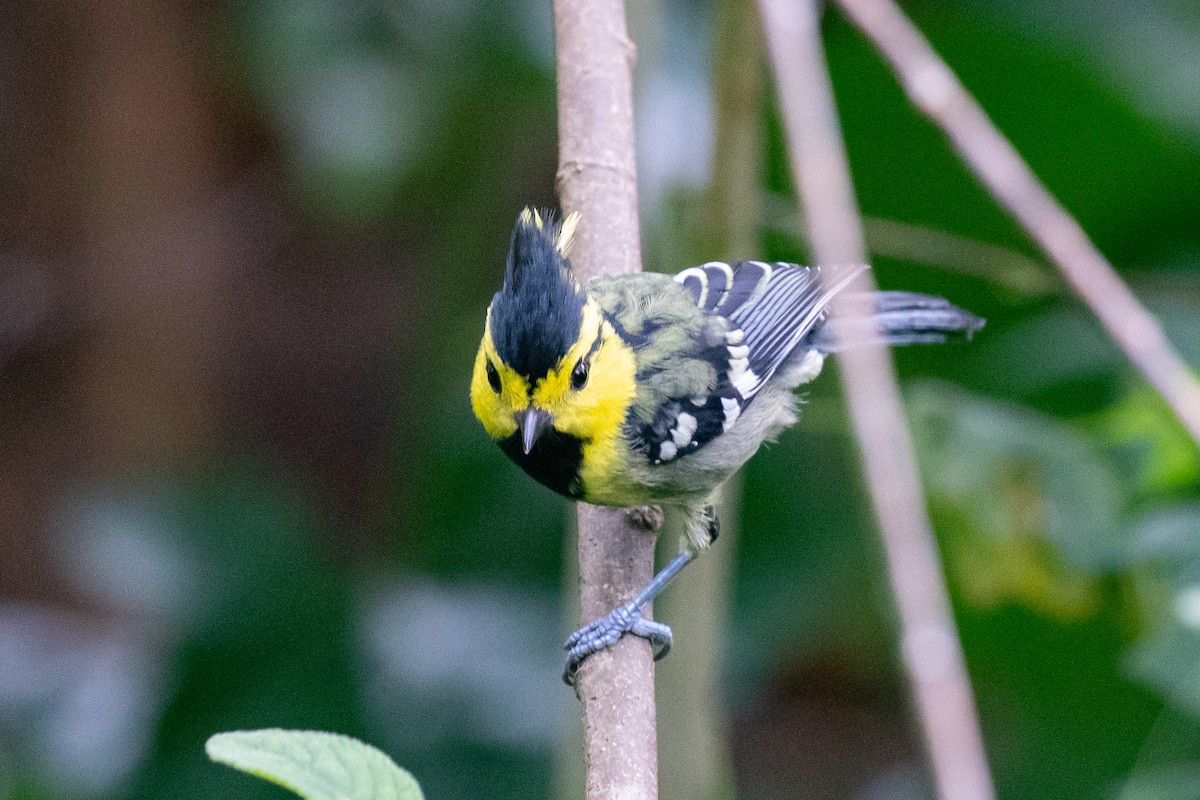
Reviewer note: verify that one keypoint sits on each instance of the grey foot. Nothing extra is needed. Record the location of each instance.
(604, 632)
(648, 518)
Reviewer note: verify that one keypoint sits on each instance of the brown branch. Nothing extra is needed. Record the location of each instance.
(695, 750)
(597, 178)
(934, 89)
(929, 641)
(1003, 267)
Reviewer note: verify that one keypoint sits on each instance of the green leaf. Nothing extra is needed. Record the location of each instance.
(1171, 782)
(1158, 450)
(1027, 510)
(315, 765)
(1169, 587)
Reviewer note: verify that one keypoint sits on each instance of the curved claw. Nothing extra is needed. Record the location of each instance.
(657, 633)
(607, 631)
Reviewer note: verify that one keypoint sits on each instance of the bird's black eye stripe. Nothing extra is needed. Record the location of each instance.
(493, 377)
(579, 375)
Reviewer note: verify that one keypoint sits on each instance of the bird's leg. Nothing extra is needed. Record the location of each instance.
(648, 518)
(627, 618)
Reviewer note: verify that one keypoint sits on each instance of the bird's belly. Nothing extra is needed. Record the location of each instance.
(630, 478)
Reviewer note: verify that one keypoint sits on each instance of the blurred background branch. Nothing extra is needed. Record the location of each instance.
(696, 758)
(1022, 277)
(928, 637)
(933, 88)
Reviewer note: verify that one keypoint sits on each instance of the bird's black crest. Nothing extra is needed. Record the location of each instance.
(537, 314)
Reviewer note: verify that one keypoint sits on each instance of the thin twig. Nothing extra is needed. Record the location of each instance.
(1003, 267)
(597, 178)
(696, 757)
(934, 88)
(929, 641)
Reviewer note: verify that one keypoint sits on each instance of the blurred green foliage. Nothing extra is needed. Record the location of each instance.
(1037, 510)
(273, 642)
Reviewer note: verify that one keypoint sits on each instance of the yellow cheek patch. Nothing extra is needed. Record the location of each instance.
(596, 412)
(496, 410)
(599, 407)
(593, 414)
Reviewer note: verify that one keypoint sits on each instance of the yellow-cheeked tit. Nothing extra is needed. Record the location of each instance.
(646, 389)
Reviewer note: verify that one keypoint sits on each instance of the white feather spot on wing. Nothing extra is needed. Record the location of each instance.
(809, 367)
(721, 265)
(732, 410)
(685, 426)
(746, 383)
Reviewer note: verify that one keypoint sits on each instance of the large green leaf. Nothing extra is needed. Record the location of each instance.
(1167, 543)
(1027, 509)
(1175, 782)
(1156, 451)
(315, 765)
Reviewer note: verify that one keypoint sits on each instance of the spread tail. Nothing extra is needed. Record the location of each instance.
(899, 318)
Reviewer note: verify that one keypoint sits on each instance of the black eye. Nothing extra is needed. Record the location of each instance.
(579, 375)
(493, 377)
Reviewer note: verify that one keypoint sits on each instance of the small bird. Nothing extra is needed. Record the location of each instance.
(646, 389)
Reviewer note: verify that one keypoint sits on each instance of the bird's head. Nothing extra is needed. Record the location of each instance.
(552, 375)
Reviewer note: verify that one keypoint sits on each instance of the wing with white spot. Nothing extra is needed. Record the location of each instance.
(718, 288)
(684, 425)
(789, 303)
(770, 309)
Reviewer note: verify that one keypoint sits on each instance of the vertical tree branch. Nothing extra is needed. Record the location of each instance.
(597, 178)
(929, 641)
(732, 201)
(153, 284)
(934, 89)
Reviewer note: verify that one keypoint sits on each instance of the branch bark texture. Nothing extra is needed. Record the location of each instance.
(597, 177)
(930, 646)
(935, 89)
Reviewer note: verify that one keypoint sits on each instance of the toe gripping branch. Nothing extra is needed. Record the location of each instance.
(606, 631)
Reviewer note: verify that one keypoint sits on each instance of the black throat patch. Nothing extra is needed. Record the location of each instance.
(554, 460)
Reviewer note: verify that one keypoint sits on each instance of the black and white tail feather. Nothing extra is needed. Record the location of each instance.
(897, 318)
(779, 315)
(776, 307)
